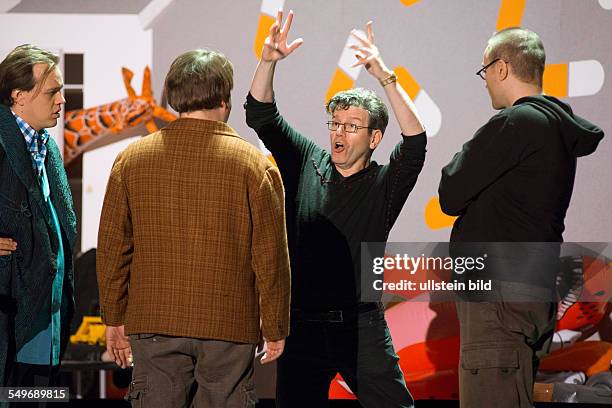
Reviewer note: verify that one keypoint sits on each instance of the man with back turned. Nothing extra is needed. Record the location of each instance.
(510, 187)
(192, 256)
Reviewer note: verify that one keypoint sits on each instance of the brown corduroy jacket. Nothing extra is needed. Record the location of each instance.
(192, 238)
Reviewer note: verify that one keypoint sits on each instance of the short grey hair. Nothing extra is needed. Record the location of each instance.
(523, 49)
(378, 115)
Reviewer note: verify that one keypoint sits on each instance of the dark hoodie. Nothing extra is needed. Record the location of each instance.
(513, 181)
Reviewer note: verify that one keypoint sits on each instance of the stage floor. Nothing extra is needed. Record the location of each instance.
(333, 404)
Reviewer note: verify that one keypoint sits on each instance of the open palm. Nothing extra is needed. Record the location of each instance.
(275, 46)
(367, 52)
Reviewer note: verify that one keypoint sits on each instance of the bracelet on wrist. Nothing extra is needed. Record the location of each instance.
(388, 80)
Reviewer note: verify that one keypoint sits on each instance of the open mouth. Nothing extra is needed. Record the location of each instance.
(338, 147)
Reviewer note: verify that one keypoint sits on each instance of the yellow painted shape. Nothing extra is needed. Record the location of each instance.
(408, 3)
(340, 82)
(407, 81)
(91, 331)
(556, 77)
(263, 29)
(510, 13)
(435, 218)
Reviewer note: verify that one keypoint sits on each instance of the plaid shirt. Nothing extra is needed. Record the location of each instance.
(36, 143)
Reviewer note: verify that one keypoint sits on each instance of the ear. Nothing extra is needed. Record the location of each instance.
(503, 70)
(375, 138)
(17, 96)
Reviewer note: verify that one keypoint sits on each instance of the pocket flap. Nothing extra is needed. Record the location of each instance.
(137, 388)
(489, 358)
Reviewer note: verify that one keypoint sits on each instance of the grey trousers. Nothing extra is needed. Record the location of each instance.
(501, 345)
(177, 372)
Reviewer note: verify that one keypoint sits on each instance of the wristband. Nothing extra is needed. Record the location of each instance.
(388, 80)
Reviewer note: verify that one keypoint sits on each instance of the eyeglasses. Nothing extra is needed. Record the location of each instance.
(482, 72)
(348, 127)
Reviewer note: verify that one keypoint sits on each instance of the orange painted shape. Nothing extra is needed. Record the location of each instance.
(127, 79)
(597, 285)
(263, 29)
(147, 91)
(163, 114)
(77, 125)
(590, 357)
(556, 77)
(409, 3)
(435, 218)
(70, 139)
(151, 126)
(407, 81)
(340, 82)
(510, 14)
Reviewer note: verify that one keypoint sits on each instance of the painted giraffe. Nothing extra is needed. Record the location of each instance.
(83, 127)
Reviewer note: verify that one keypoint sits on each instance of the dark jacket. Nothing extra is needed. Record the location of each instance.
(26, 276)
(513, 181)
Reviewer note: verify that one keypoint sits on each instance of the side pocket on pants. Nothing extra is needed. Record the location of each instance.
(137, 390)
(250, 397)
(490, 375)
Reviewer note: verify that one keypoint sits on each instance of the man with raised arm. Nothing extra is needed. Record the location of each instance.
(336, 200)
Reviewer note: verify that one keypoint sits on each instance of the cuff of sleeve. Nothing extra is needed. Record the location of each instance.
(275, 332)
(259, 113)
(111, 318)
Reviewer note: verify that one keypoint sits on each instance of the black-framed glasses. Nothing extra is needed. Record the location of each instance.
(482, 72)
(348, 127)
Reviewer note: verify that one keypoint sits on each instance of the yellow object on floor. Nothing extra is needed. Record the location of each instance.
(91, 331)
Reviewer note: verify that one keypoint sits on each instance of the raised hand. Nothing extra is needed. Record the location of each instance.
(275, 46)
(367, 53)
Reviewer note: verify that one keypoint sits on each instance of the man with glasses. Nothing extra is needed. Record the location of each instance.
(336, 200)
(512, 183)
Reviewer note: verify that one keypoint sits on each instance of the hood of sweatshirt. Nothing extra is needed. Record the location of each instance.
(581, 137)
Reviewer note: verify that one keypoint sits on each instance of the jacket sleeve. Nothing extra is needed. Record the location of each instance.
(115, 248)
(270, 256)
(494, 149)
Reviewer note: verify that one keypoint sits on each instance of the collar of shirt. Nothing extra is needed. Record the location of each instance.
(36, 143)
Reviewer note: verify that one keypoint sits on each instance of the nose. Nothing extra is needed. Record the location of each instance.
(340, 128)
(61, 99)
